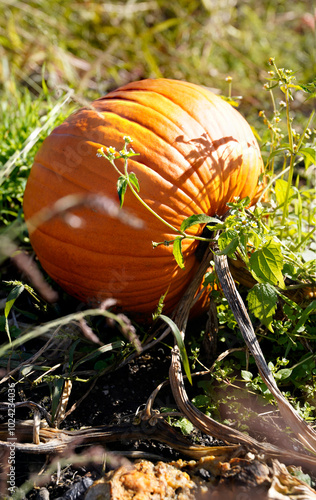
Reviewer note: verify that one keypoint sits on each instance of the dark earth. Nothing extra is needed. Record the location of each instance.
(114, 400)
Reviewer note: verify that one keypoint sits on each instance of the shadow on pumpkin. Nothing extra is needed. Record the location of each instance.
(224, 157)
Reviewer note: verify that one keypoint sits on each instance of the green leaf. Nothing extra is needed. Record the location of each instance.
(226, 237)
(177, 251)
(202, 401)
(117, 344)
(310, 309)
(228, 242)
(244, 203)
(280, 191)
(277, 152)
(160, 306)
(309, 156)
(134, 181)
(308, 87)
(266, 264)
(282, 374)
(301, 475)
(248, 376)
(57, 392)
(209, 278)
(121, 187)
(183, 353)
(230, 249)
(197, 219)
(184, 425)
(72, 352)
(262, 301)
(13, 295)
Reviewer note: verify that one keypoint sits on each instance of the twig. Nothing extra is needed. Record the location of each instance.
(202, 421)
(299, 427)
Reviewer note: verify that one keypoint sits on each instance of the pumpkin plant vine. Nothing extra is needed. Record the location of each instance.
(129, 179)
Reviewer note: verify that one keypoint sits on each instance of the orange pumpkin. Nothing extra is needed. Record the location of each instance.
(196, 153)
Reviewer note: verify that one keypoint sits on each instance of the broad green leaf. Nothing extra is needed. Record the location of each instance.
(230, 249)
(13, 295)
(177, 252)
(228, 242)
(121, 188)
(280, 191)
(209, 278)
(255, 239)
(309, 156)
(134, 181)
(201, 401)
(262, 301)
(246, 375)
(266, 264)
(185, 426)
(183, 353)
(282, 374)
(198, 219)
(226, 237)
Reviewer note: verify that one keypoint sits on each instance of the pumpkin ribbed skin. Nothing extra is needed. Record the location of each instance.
(196, 154)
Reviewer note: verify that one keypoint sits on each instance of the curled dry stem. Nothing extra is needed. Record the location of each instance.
(206, 424)
(299, 427)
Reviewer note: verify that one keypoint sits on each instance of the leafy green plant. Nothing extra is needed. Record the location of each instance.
(181, 423)
(259, 236)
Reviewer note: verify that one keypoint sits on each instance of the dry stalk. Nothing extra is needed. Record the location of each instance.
(55, 441)
(299, 427)
(206, 424)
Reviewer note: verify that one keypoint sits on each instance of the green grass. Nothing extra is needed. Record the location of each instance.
(25, 123)
(94, 47)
